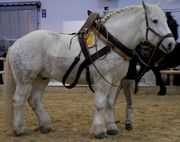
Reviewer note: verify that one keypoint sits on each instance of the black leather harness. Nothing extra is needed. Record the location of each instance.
(112, 43)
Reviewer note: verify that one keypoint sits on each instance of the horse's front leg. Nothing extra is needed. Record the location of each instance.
(98, 127)
(128, 86)
(104, 116)
(109, 113)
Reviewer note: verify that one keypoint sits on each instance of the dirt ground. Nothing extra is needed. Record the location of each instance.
(157, 118)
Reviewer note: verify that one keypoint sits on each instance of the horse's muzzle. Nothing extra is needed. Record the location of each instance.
(167, 46)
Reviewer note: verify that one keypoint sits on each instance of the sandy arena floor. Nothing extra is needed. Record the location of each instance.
(157, 118)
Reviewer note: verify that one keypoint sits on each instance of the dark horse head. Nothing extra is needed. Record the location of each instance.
(3, 51)
(148, 54)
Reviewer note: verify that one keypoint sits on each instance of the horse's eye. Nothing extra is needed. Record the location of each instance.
(155, 21)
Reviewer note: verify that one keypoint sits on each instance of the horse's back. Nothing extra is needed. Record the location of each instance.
(39, 51)
(26, 53)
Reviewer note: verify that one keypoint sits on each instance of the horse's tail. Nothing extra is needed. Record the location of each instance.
(9, 89)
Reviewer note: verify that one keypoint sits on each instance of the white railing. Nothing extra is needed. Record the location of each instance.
(170, 71)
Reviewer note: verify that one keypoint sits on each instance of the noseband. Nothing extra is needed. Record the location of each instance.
(148, 28)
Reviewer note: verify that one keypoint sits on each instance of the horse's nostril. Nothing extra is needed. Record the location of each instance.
(170, 45)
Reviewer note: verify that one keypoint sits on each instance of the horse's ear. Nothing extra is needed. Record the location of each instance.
(159, 3)
(89, 12)
(144, 5)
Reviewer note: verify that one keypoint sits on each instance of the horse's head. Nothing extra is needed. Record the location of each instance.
(3, 51)
(157, 31)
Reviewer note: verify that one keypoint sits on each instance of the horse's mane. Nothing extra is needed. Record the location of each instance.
(125, 10)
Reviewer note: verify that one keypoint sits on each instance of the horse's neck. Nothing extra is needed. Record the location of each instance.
(126, 28)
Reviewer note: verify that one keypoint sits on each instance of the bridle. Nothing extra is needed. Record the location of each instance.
(148, 28)
(147, 64)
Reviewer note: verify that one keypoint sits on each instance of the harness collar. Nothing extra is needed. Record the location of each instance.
(111, 41)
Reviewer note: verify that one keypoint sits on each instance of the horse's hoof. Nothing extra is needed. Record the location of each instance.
(19, 134)
(112, 132)
(100, 135)
(128, 127)
(45, 130)
(162, 92)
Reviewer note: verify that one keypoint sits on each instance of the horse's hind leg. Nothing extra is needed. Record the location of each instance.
(159, 81)
(128, 86)
(38, 88)
(19, 99)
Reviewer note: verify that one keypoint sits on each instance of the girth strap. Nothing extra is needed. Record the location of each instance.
(83, 65)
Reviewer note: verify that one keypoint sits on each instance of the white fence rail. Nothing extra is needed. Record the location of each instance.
(170, 71)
